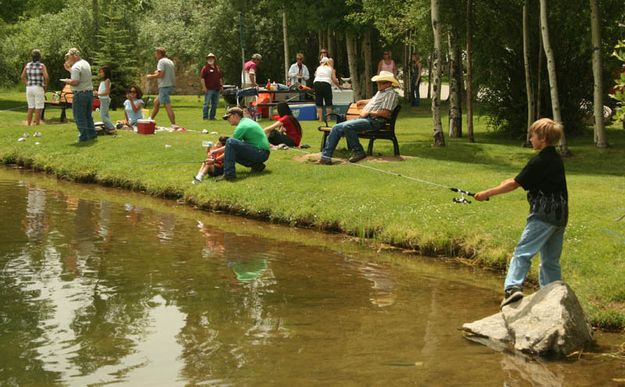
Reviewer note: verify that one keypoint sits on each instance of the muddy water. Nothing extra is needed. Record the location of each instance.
(99, 286)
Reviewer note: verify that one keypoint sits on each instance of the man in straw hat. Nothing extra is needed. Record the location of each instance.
(212, 81)
(82, 88)
(376, 112)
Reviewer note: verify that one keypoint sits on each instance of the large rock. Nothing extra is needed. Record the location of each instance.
(549, 322)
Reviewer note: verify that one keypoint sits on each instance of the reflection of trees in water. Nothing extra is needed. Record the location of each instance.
(382, 286)
(24, 226)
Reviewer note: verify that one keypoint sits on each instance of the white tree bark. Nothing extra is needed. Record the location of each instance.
(454, 86)
(551, 70)
(439, 137)
(529, 90)
(352, 61)
(597, 66)
(470, 71)
(366, 53)
(285, 37)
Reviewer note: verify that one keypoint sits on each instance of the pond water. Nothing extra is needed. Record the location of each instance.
(100, 286)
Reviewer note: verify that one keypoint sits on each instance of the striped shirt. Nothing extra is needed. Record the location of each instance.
(34, 74)
(386, 99)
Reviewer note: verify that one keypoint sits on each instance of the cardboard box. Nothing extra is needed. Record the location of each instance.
(146, 126)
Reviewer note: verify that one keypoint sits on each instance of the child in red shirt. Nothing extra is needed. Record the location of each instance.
(214, 163)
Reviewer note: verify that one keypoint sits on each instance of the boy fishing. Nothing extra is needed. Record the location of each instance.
(214, 163)
(545, 182)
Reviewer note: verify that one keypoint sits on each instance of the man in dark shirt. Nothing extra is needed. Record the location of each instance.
(212, 82)
(544, 180)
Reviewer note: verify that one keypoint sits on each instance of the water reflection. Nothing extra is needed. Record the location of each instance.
(95, 291)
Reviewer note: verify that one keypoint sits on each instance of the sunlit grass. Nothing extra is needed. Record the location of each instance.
(360, 201)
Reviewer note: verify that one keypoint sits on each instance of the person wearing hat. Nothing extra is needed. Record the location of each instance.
(82, 89)
(35, 76)
(248, 145)
(212, 81)
(248, 75)
(165, 74)
(376, 112)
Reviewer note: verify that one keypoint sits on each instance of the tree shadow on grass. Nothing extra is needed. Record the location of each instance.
(16, 106)
(497, 153)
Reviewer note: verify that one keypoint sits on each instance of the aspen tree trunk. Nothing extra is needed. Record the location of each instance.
(366, 53)
(529, 90)
(551, 70)
(437, 127)
(539, 76)
(470, 71)
(331, 46)
(285, 37)
(597, 65)
(454, 108)
(352, 61)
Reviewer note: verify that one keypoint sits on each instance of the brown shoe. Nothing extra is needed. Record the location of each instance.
(356, 157)
(325, 161)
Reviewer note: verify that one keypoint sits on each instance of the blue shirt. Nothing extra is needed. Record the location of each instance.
(132, 115)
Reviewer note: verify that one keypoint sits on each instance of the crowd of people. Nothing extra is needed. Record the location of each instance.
(250, 144)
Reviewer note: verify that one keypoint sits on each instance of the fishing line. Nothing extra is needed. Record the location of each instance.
(460, 200)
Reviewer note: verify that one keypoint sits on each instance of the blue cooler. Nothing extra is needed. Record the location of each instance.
(304, 112)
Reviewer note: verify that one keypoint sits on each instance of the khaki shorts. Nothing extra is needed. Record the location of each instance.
(35, 97)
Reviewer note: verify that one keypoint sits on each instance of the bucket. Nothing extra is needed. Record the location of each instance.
(146, 126)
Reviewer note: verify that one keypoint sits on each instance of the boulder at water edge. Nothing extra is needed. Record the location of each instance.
(548, 322)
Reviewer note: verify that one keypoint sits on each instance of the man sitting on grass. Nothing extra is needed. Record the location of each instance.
(545, 182)
(248, 145)
(376, 112)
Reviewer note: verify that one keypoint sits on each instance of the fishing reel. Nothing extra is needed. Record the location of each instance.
(462, 199)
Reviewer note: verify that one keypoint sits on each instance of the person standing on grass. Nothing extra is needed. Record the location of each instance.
(104, 95)
(35, 76)
(165, 74)
(82, 88)
(248, 145)
(212, 81)
(374, 115)
(545, 182)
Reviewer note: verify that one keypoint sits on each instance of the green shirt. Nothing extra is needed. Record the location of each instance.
(249, 131)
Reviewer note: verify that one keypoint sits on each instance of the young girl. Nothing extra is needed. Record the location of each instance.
(214, 163)
(133, 106)
(103, 94)
(287, 130)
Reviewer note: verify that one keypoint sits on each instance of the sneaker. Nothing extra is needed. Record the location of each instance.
(258, 167)
(512, 294)
(356, 157)
(325, 161)
(195, 180)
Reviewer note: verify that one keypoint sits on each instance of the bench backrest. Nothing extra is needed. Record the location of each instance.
(353, 112)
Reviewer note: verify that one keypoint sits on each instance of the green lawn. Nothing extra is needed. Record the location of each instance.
(359, 201)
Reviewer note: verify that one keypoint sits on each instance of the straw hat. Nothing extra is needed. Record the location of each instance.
(386, 76)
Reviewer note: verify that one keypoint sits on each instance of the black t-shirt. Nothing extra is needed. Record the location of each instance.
(544, 180)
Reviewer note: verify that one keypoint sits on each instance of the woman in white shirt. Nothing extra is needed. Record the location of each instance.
(324, 78)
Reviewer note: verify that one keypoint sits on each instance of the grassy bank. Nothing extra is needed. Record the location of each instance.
(358, 200)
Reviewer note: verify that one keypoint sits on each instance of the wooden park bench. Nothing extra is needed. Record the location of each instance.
(66, 96)
(386, 132)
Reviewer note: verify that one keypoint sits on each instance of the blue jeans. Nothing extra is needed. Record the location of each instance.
(105, 102)
(350, 130)
(238, 151)
(82, 106)
(210, 97)
(538, 236)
